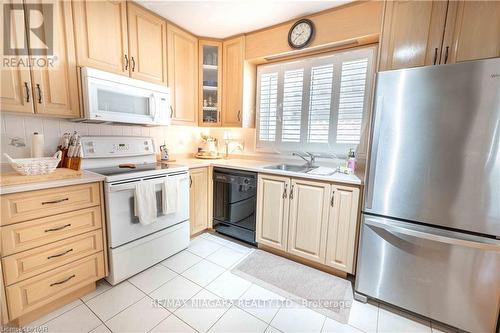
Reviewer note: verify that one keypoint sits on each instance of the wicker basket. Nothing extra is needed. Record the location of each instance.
(34, 166)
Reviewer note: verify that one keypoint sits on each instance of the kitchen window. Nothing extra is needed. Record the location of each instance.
(317, 104)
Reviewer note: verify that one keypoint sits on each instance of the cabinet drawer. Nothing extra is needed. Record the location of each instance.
(42, 259)
(27, 235)
(25, 206)
(34, 293)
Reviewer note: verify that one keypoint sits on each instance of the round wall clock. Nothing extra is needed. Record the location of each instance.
(301, 34)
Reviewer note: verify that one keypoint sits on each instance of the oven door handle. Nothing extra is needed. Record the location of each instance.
(126, 186)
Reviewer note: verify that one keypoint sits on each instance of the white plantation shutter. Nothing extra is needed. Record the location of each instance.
(316, 104)
(352, 98)
(268, 106)
(292, 105)
(320, 98)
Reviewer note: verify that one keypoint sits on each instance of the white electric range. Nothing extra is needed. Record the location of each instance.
(125, 162)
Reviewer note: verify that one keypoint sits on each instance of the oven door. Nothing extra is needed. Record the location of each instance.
(123, 226)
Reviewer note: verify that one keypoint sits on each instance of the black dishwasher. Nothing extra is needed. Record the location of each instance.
(235, 198)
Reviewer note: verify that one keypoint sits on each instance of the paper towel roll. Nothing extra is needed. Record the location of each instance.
(37, 145)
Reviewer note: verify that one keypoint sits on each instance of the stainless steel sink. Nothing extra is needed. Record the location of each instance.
(290, 167)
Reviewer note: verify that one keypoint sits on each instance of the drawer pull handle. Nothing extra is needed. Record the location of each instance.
(60, 254)
(54, 202)
(63, 281)
(58, 228)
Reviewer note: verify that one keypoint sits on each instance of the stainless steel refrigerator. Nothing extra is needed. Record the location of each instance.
(430, 233)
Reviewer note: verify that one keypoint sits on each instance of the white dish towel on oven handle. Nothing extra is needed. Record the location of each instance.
(170, 190)
(145, 202)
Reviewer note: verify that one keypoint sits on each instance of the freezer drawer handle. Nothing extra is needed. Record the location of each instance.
(391, 227)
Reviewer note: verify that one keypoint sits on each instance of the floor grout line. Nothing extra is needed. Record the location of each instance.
(95, 314)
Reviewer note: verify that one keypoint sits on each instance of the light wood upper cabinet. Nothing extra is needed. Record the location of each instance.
(233, 55)
(472, 31)
(342, 228)
(147, 44)
(15, 89)
(308, 219)
(198, 200)
(412, 33)
(55, 89)
(182, 75)
(419, 33)
(16, 94)
(272, 211)
(101, 35)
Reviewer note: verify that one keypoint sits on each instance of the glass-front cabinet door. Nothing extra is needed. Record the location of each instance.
(210, 82)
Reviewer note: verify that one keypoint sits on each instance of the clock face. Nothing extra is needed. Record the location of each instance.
(301, 34)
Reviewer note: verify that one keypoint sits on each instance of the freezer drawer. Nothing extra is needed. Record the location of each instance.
(448, 276)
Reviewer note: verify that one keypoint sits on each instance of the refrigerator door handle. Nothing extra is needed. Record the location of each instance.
(444, 236)
(373, 151)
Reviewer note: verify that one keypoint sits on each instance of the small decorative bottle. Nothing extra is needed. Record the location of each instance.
(351, 161)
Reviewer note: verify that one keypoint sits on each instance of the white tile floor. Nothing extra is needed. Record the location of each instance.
(197, 276)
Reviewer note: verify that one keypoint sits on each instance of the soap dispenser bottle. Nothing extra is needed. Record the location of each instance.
(351, 161)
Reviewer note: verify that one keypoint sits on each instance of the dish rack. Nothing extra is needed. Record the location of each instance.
(35, 166)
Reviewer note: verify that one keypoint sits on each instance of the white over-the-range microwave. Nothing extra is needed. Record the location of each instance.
(109, 97)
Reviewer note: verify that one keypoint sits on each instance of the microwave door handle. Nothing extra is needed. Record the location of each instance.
(153, 107)
(427, 234)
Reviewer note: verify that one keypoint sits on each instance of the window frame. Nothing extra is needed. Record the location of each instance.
(337, 58)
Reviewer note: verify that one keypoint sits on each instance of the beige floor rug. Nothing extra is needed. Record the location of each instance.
(320, 291)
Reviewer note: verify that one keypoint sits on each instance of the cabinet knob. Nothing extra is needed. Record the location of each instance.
(446, 54)
(126, 62)
(291, 191)
(284, 192)
(332, 201)
(239, 115)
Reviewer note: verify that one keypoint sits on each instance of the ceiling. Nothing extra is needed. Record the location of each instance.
(224, 18)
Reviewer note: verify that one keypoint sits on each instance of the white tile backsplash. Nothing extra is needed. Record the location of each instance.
(179, 139)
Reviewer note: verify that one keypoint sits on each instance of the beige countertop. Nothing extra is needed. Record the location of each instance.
(86, 177)
(258, 166)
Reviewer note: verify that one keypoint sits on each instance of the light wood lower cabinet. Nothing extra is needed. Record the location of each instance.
(314, 220)
(31, 294)
(198, 199)
(52, 248)
(308, 219)
(342, 228)
(272, 211)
